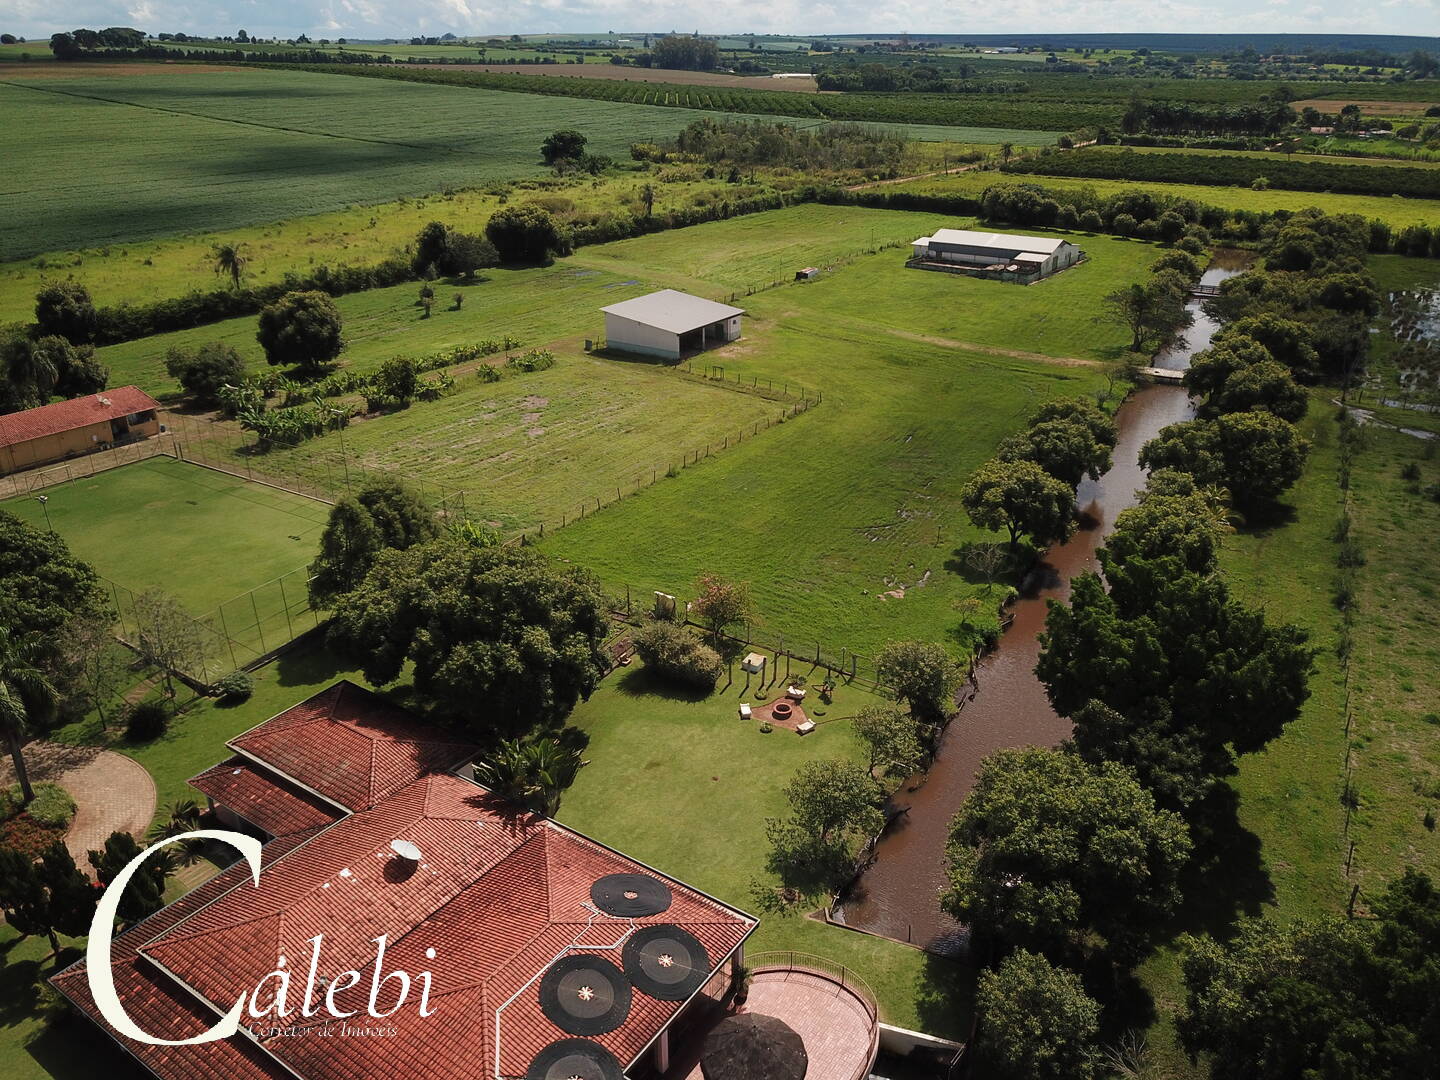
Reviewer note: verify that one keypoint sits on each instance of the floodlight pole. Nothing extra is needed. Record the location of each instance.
(44, 501)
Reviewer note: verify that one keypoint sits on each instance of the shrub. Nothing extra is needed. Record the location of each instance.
(24, 834)
(675, 653)
(203, 370)
(52, 807)
(237, 686)
(148, 720)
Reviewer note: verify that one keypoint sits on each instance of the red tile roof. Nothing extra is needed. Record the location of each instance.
(498, 897)
(350, 746)
(163, 1007)
(265, 800)
(76, 413)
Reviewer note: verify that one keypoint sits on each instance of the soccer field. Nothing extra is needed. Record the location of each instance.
(202, 536)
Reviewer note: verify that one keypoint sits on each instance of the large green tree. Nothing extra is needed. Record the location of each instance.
(922, 675)
(1036, 1022)
(1167, 673)
(64, 308)
(385, 513)
(145, 893)
(1256, 456)
(1175, 518)
(1048, 848)
(1021, 498)
(1330, 998)
(301, 329)
(500, 638)
(526, 234)
(205, 369)
(1066, 450)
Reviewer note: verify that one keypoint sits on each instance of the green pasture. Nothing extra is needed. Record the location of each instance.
(200, 535)
(536, 305)
(1328, 159)
(832, 514)
(1396, 211)
(156, 154)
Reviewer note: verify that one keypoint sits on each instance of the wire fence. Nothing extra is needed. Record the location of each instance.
(238, 634)
(84, 466)
(833, 264)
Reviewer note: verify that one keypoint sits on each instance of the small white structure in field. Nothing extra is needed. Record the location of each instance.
(669, 324)
(745, 711)
(754, 663)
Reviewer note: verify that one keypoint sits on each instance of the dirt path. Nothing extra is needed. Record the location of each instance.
(917, 176)
(111, 792)
(995, 350)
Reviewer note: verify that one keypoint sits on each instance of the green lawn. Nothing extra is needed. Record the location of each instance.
(202, 536)
(1396, 211)
(686, 786)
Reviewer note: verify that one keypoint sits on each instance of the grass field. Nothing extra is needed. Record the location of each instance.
(922, 375)
(202, 536)
(533, 449)
(561, 301)
(1396, 211)
(152, 154)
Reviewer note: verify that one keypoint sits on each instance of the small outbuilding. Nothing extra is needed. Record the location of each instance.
(961, 249)
(94, 422)
(669, 324)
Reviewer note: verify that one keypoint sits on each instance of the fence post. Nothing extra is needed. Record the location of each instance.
(286, 605)
(259, 630)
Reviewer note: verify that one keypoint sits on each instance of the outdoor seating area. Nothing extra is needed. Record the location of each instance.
(805, 1019)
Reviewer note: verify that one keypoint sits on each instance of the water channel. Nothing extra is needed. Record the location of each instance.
(898, 895)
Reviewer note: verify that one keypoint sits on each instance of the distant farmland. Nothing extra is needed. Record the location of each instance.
(153, 153)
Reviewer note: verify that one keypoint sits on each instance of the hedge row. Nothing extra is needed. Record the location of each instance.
(126, 322)
(1275, 171)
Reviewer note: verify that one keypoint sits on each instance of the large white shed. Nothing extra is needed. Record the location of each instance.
(669, 324)
(965, 247)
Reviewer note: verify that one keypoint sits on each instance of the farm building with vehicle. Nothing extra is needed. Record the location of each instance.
(55, 432)
(1009, 256)
(669, 324)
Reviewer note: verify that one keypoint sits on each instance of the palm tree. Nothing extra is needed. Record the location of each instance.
(184, 817)
(25, 694)
(530, 773)
(230, 259)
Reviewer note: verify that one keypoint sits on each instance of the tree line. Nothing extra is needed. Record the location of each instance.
(1233, 171)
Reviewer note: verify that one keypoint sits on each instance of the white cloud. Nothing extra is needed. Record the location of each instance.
(388, 18)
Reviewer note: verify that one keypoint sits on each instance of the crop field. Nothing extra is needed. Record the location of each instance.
(202, 536)
(1396, 211)
(535, 306)
(670, 76)
(534, 448)
(916, 112)
(155, 154)
(357, 236)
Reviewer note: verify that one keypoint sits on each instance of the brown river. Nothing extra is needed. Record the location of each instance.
(898, 895)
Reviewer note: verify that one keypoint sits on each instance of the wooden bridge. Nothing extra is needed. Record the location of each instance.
(1204, 292)
(1162, 375)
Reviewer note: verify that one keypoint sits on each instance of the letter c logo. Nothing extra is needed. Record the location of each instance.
(97, 953)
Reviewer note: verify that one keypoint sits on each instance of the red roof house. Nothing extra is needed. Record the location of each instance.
(537, 939)
(66, 428)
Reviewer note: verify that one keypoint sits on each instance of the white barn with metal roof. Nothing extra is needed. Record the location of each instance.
(669, 324)
(964, 247)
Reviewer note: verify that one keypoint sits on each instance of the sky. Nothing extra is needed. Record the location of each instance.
(405, 18)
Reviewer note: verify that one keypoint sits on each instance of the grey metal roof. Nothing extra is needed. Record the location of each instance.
(1002, 241)
(673, 311)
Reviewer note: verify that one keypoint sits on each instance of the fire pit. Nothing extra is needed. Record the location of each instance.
(781, 710)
